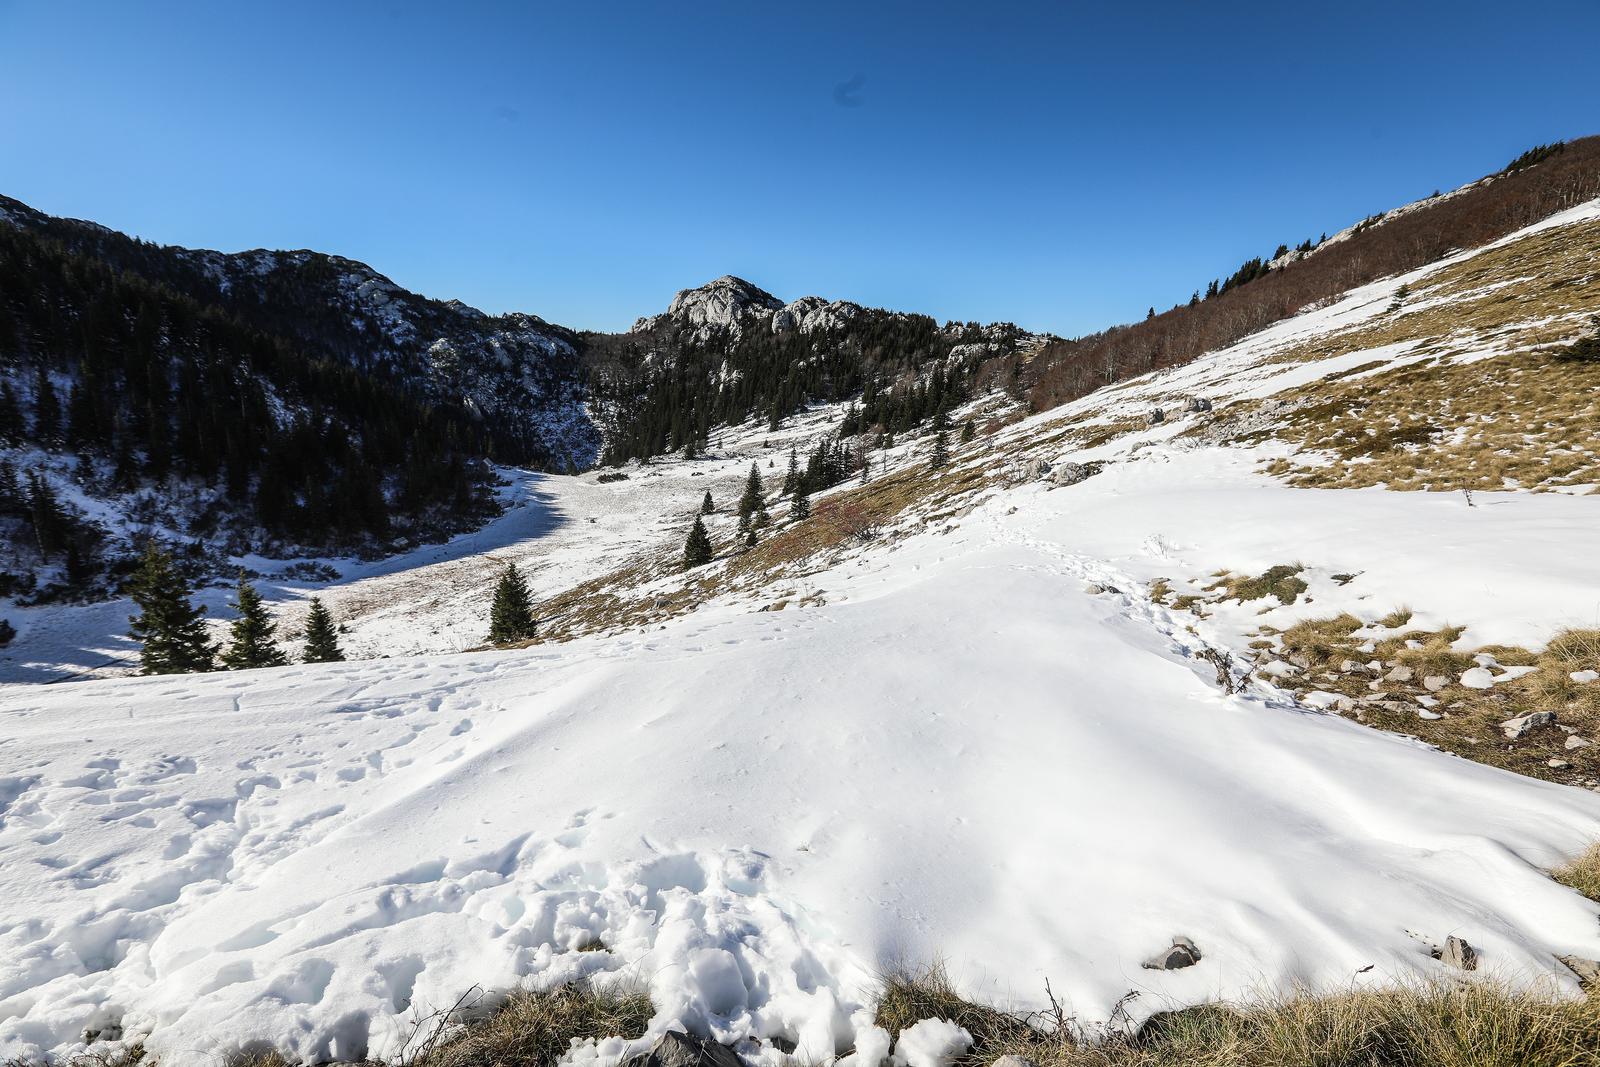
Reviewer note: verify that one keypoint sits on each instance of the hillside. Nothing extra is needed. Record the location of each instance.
(1286, 649)
(281, 403)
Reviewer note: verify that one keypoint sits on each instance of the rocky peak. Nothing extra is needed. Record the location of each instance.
(725, 302)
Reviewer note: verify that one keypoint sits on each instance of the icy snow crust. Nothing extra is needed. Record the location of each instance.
(961, 753)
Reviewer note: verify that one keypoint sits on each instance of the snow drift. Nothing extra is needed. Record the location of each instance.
(956, 751)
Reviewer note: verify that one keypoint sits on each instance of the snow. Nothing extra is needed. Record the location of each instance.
(961, 753)
(980, 742)
(931, 1043)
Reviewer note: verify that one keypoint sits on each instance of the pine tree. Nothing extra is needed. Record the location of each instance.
(511, 616)
(46, 410)
(251, 633)
(706, 506)
(322, 641)
(750, 538)
(51, 527)
(800, 507)
(941, 450)
(697, 549)
(968, 432)
(751, 500)
(791, 480)
(169, 629)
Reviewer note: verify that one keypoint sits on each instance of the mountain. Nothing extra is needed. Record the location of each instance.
(1131, 669)
(729, 350)
(278, 403)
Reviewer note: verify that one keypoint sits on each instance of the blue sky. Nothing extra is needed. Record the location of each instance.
(1062, 166)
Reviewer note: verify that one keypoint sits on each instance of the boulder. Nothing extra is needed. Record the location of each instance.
(681, 1050)
(1181, 953)
(1575, 742)
(1522, 725)
(1435, 682)
(1072, 473)
(1199, 404)
(1157, 416)
(1459, 954)
(1401, 673)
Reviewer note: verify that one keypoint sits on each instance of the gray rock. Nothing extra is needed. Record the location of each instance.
(1522, 725)
(1071, 473)
(1435, 682)
(1459, 954)
(1556, 764)
(1575, 742)
(1199, 403)
(1401, 673)
(1157, 416)
(681, 1050)
(1182, 953)
(1588, 971)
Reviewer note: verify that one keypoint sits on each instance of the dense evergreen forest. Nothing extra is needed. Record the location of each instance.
(254, 418)
(669, 388)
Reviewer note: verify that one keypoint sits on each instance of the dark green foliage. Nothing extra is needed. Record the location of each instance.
(697, 549)
(791, 478)
(751, 500)
(706, 506)
(169, 628)
(269, 393)
(250, 635)
(322, 640)
(968, 432)
(7, 632)
(511, 615)
(901, 365)
(941, 450)
(800, 506)
(1536, 154)
(51, 527)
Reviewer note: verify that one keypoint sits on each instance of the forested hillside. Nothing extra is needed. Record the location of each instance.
(278, 403)
(728, 352)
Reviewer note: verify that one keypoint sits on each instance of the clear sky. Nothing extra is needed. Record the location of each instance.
(1060, 165)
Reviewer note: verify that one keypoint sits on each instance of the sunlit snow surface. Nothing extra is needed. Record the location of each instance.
(962, 753)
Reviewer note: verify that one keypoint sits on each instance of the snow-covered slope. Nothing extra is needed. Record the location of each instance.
(954, 750)
(975, 737)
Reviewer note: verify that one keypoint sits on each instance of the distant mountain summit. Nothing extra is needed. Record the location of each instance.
(726, 302)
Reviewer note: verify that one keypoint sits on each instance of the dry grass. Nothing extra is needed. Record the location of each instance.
(1474, 1024)
(1582, 873)
(536, 1029)
(1282, 581)
(1459, 719)
(1451, 419)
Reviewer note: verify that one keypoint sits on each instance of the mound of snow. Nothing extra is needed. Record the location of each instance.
(957, 753)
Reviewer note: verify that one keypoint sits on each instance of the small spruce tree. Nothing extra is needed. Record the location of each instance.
(791, 480)
(706, 506)
(751, 500)
(322, 640)
(941, 450)
(697, 549)
(511, 615)
(251, 643)
(800, 507)
(171, 635)
(968, 432)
